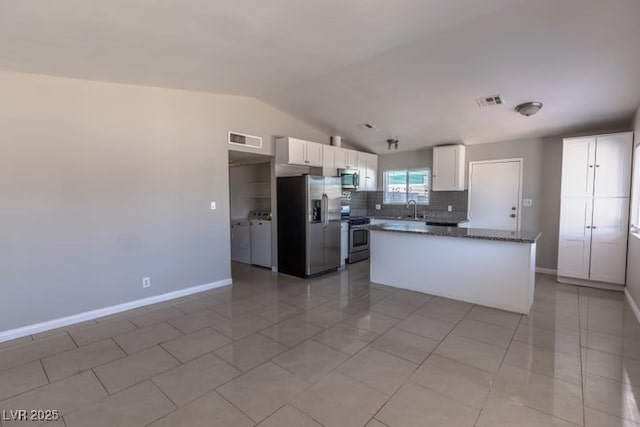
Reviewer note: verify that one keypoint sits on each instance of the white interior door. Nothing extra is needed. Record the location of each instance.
(494, 194)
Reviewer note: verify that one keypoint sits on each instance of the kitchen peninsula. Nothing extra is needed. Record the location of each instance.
(494, 268)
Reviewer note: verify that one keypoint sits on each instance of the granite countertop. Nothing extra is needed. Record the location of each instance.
(469, 233)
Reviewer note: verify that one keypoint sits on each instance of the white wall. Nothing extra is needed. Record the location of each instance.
(105, 183)
(633, 255)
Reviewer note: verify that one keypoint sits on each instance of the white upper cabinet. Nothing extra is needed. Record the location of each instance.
(612, 165)
(329, 160)
(314, 154)
(341, 159)
(597, 166)
(448, 168)
(578, 157)
(368, 171)
(296, 151)
(346, 159)
(352, 157)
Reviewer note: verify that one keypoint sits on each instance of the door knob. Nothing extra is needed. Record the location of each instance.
(512, 215)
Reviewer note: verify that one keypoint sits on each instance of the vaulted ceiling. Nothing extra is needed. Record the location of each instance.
(413, 68)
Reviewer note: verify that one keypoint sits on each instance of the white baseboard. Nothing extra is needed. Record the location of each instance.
(106, 311)
(632, 303)
(590, 283)
(546, 271)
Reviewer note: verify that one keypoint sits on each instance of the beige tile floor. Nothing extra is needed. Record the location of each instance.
(339, 351)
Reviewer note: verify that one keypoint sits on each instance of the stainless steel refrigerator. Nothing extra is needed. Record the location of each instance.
(308, 224)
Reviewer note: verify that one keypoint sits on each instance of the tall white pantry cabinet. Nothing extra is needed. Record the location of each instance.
(594, 211)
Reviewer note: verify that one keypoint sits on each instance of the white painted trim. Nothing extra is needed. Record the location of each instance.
(106, 311)
(520, 161)
(632, 303)
(546, 271)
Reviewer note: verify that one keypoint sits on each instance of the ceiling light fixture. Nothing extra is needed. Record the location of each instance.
(392, 142)
(529, 108)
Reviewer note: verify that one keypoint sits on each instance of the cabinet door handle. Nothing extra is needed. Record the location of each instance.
(590, 166)
(512, 215)
(597, 166)
(593, 227)
(588, 226)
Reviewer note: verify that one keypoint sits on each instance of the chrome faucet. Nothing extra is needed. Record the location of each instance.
(415, 208)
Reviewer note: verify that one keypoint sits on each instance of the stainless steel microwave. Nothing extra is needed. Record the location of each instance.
(349, 178)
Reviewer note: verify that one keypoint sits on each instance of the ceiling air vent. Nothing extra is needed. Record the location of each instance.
(489, 101)
(368, 126)
(237, 138)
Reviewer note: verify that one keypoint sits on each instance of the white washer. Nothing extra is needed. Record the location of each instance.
(261, 242)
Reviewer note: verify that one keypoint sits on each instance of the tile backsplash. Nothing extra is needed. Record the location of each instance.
(357, 200)
(439, 200)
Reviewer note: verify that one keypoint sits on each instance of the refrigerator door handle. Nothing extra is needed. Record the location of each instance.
(325, 207)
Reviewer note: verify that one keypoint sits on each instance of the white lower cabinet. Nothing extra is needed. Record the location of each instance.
(574, 249)
(609, 240)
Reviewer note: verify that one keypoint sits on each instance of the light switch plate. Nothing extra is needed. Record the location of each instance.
(527, 202)
(449, 208)
(378, 207)
(213, 206)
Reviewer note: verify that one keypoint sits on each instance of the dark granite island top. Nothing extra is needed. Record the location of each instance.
(468, 233)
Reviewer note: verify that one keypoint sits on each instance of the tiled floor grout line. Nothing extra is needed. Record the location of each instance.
(486, 397)
(583, 373)
(177, 407)
(46, 374)
(420, 364)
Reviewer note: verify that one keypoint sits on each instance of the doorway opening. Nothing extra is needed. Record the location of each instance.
(250, 210)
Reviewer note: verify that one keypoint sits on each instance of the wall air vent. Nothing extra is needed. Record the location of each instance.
(489, 101)
(237, 138)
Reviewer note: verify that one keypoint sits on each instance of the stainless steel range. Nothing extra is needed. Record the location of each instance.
(358, 239)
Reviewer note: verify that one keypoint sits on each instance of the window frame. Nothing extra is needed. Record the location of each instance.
(385, 178)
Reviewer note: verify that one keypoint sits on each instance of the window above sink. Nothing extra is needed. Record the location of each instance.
(403, 185)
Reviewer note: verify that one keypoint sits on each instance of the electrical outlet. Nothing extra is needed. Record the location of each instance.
(213, 206)
(449, 208)
(378, 207)
(527, 202)
(146, 282)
